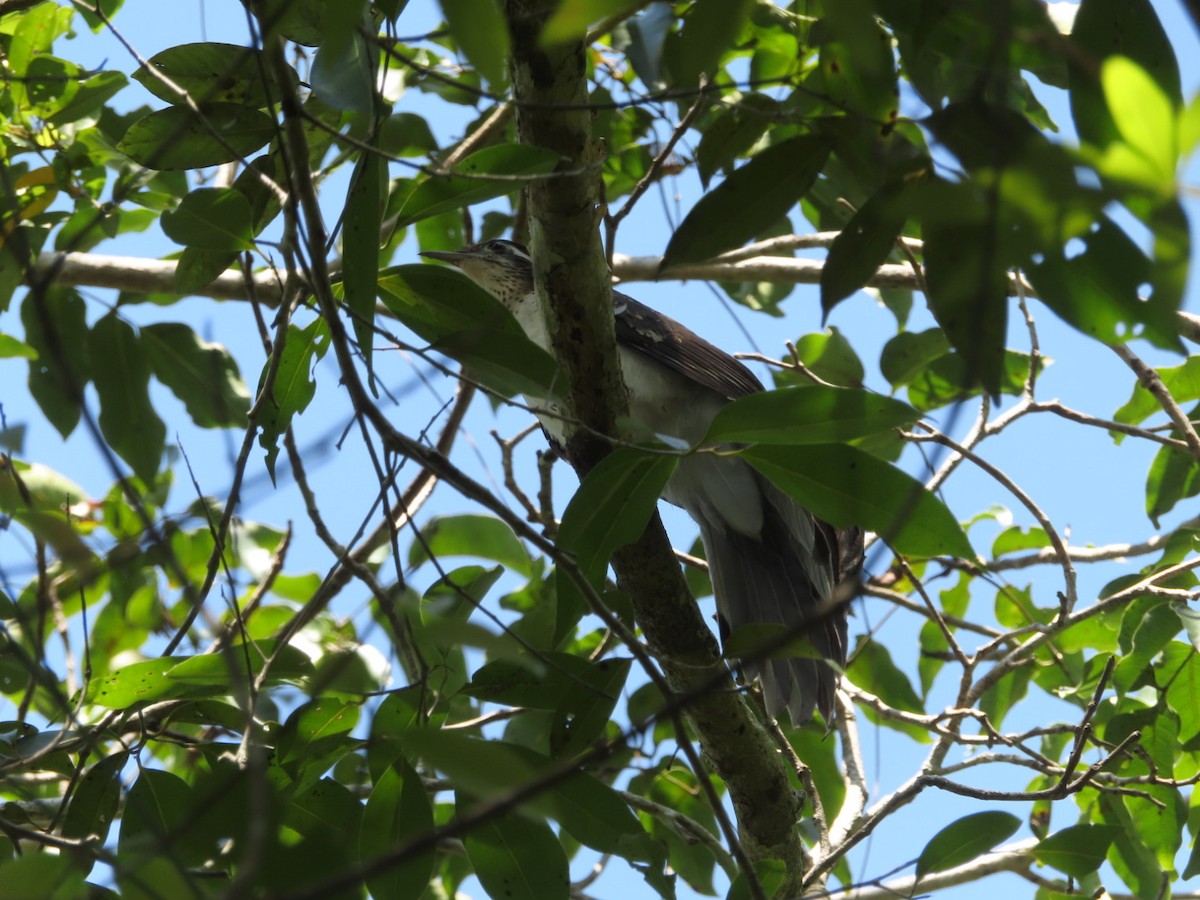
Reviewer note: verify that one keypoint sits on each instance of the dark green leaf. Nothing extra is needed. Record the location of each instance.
(482, 34)
(398, 813)
(582, 714)
(491, 172)
(62, 368)
(857, 67)
(203, 375)
(94, 803)
(506, 362)
(871, 668)
(121, 374)
(344, 71)
(294, 386)
(360, 270)
(157, 818)
(863, 245)
(611, 509)
(198, 267)
(709, 29)
(750, 200)
(211, 219)
(312, 729)
(964, 840)
(909, 352)
(485, 537)
(846, 486)
(436, 301)
(515, 857)
(36, 876)
(214, 73)
(813, 414)
(967, 279)
(733, 133)
(177, 138)
(89, 99)
(1096, 291)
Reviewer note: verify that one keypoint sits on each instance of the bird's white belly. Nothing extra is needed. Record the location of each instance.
(665, 403)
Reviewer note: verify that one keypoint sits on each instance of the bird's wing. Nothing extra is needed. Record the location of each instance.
(666, 341)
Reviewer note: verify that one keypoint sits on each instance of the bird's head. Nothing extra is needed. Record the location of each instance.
(502, 268)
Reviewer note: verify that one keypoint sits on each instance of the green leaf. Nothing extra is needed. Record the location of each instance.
(710, 27)
(482, 34)
(1174, 475)
(1102, 29)
(177, 138)
(909, 352)
(515, 857)
(1182, 381)
(572, 18)
(491, 172)
(829, 356)
(437, 301)
(1075, 850)
(872, 669)
(220, 673)
(1145, 120)
(294, 386)
(965, 839)
(398, 813)
(1015, 539)
(158, 814)
(1096, 291)
(750, 200)
(582, 714)
(863, 245)
(94, 803)
(847, 486)
(36, 876)
(485, 537)
(611, 509)
(211, 219)
(362, 225)
(62, 367)
(506, 362)
(203, 375)
(1130, 854)
(89, 99)
(733, 133)
(214, 73)
(344, 71)
(121, 374)
(812, 414)
(967, 280)
(313, 728)
(12, 348)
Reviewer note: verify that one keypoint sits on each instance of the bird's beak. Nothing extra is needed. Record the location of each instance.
(454, 257)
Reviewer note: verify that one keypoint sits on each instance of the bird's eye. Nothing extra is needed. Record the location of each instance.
(497, 246)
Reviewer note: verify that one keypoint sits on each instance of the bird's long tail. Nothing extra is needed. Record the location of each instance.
(772, 578)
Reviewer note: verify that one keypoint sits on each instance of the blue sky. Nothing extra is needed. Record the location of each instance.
(1078, 476)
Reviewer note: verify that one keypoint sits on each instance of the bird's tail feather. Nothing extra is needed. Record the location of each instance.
(769, 579)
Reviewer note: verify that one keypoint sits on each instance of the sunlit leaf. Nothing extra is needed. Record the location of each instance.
(965, 839)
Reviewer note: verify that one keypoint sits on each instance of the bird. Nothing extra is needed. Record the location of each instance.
(771, 561)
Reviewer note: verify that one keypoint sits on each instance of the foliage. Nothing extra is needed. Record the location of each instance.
(162, 741)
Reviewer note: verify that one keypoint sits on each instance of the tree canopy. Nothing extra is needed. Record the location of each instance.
(430, 663)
